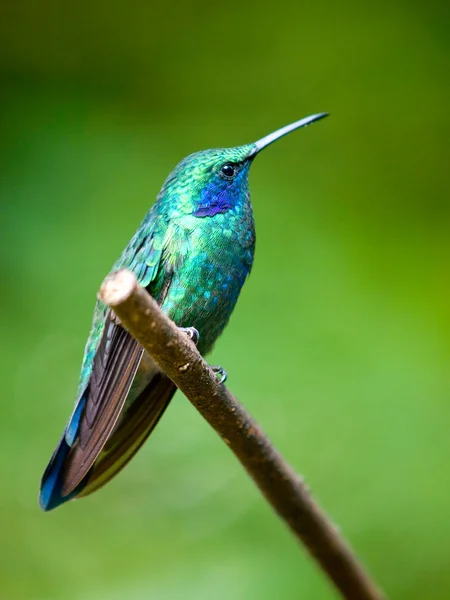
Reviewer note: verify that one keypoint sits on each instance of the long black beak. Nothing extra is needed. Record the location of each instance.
(276, 135)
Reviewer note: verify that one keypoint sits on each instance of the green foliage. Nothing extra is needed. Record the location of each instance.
(339, 345)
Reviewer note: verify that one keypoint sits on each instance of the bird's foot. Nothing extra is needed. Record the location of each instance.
(220, 373)
(192, 333)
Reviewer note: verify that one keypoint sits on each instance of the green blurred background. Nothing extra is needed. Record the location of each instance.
(340, 344)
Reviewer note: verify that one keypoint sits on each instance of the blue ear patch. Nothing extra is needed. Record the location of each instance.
(214, 204)
(221, 194)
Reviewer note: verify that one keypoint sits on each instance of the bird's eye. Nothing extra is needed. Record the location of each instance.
(228, 170)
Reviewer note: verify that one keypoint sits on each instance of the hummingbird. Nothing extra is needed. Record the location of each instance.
(192, 252)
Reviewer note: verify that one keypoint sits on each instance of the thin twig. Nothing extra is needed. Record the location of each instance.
(178, 357)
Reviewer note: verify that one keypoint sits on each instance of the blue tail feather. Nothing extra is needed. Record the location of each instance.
(73, 425)
(51, 484)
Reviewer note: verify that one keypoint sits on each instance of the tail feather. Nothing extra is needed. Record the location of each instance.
(136, 424)
(50, 495)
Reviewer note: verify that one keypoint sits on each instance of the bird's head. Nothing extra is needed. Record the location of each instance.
(215, 181)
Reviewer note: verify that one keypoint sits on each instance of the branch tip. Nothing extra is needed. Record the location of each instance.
(118, 287)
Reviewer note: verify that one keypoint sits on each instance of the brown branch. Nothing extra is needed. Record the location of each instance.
(178, 357)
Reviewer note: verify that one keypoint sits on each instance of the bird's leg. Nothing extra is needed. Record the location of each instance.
(192, 333)
(220, 373)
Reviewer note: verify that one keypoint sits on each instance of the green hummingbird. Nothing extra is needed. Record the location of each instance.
(193, 252)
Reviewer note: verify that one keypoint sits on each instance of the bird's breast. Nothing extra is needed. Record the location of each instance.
(211, 263)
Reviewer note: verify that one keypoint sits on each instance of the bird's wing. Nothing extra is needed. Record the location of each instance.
(111, 359)
(135, 427)
(114, 367)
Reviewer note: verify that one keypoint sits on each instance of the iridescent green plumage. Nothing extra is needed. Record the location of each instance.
(193, 252)
(206, 259)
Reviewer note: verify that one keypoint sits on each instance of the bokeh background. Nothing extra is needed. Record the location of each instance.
(340, 344)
